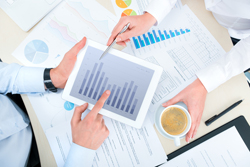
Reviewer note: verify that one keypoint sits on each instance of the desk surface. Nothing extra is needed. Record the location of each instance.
(233, 90)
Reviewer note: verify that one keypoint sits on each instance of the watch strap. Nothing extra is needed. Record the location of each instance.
(47, 80)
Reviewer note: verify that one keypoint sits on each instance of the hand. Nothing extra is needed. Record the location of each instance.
(60, 74)
(138, 25)
(194, 97)
(91, 131)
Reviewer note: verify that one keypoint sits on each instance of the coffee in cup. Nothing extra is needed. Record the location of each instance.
(174, 121)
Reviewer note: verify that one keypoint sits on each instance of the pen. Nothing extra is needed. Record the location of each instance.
(114, 42)
(214, 118)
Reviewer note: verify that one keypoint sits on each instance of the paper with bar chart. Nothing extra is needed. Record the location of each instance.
(127, 81)
(181, 47)
(170, 33)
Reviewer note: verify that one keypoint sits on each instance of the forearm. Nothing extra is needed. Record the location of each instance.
(160, 8)
(229, 65)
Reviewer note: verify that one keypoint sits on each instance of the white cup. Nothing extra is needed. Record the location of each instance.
(176, 138)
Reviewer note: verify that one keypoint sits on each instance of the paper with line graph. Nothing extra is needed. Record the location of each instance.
(56, 34)
(182, 45)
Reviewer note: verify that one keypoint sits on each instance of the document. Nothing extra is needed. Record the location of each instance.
(135, 7)
(182, 46)
(125, 145)
(54, 36)
(223, 150)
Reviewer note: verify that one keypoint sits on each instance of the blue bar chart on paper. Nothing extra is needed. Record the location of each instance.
(156, 36)
(127, 81)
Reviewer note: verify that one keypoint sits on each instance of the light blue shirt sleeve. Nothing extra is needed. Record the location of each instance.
(79, 156)
(17, 79)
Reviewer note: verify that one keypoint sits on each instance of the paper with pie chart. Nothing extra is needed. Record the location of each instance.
(129, 7)
(123, 3)
(135, 7)
(36, 51)
(128, 12)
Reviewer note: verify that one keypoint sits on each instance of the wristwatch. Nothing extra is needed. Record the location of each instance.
(47, 81)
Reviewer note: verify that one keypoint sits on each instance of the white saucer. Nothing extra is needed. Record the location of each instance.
(158, 126)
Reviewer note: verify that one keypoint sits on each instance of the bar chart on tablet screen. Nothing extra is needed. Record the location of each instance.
(127, 81)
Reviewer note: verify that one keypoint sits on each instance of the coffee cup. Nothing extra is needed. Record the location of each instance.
(175, 121)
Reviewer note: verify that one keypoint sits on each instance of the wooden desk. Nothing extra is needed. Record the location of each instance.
(237, 88)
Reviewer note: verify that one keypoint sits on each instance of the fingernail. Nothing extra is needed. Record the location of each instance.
(163, 104)
(107, 92)
(188, 140)
(118, 39)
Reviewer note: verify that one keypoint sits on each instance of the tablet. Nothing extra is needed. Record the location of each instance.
(132, 83)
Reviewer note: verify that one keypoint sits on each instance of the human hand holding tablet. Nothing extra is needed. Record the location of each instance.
(132, 83)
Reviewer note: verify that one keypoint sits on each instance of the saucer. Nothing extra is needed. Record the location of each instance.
(158, 124)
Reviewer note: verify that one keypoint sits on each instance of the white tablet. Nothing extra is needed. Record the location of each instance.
(132, 83)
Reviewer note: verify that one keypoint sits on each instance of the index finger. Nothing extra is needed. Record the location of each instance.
(122, 22)
(99, 104)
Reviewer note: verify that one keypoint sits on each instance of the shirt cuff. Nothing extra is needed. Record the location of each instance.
(30, 79)
(79, 156)
(227, 66)
(160, 8)
(211, 77)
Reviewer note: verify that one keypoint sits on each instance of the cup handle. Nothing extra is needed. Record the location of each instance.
(177, 141)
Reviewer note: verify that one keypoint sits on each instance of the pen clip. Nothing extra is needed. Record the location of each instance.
(209, 121)
(211, 118)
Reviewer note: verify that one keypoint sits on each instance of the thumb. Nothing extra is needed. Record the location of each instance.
(78, 114)
(126, 35)
(75, 50)
(172, 101)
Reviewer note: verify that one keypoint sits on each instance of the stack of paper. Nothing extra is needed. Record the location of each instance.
(180, 44)
(45, 47)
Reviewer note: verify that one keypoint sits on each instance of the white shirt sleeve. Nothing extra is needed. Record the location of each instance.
(231, 64)
(79, 156)
(160, 8)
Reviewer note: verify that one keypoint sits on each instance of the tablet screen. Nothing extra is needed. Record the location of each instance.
(127, 81)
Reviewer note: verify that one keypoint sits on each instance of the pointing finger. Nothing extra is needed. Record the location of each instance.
(99, 104)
